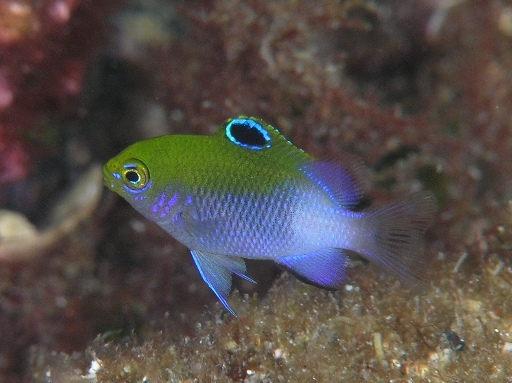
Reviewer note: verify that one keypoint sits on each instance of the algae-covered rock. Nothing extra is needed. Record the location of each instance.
(421, 90)
(374, 330)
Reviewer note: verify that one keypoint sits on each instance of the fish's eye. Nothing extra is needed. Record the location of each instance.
(132, 176)
(135, 174)
(248, 133)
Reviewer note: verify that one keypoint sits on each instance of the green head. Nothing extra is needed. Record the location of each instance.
(243, 149)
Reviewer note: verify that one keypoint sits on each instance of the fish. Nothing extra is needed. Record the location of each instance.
(246, 192)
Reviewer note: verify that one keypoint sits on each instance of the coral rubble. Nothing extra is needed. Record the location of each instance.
(374, 330)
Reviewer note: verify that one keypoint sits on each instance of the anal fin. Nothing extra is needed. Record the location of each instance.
(216, 270)
(324, 268)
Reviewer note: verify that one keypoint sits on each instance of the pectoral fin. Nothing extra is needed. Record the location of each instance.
(191, 221)
(216, 271)
(325, 268)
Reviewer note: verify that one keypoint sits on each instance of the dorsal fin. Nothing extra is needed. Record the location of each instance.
(343, 181)
(253, 137)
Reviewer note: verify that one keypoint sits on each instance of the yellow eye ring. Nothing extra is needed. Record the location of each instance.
(135, 174)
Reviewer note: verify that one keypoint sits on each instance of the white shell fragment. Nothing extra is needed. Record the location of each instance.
(15, 227)
(21, 240)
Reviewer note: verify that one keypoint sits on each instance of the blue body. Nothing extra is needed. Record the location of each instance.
(299, 216)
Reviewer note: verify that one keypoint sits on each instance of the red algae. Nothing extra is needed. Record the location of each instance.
(45, 47)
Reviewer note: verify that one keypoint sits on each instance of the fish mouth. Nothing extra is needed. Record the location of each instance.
(108, 178)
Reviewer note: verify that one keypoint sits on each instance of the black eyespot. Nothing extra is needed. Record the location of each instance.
(132, 176)
(248, 134)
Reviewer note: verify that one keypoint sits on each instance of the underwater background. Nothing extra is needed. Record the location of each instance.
(90, 291)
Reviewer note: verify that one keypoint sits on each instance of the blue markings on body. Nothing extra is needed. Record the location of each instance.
(173, 200)
(135, 191)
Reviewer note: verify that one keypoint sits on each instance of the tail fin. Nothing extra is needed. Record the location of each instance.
(397, 229)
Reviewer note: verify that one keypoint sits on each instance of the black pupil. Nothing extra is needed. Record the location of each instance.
(247, 135)
(132, 176)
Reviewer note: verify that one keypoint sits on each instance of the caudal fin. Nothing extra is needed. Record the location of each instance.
(397, 228)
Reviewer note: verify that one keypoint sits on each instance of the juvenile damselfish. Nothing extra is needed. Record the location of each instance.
(247, 192)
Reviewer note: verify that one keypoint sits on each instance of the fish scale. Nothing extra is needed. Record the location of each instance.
(246, 229)
(247, 192)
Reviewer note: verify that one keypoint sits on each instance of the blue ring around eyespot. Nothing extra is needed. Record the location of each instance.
(252, 124)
